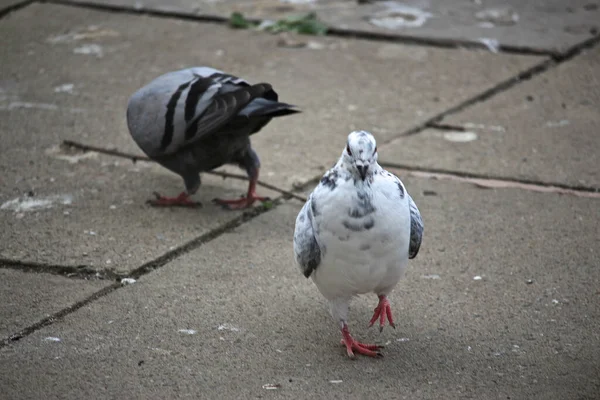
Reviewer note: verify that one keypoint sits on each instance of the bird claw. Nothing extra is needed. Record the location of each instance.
(381, 312)
(241, 203)
(180, 201)
(352, 345)
(369, 350)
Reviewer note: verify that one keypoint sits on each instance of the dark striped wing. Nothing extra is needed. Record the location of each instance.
(208, 105)
(416, 229)
(306, 249)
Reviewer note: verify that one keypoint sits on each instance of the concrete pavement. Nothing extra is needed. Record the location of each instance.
(535, 26)
(218, 308)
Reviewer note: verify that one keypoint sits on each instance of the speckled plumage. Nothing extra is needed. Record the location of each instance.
(358, 229)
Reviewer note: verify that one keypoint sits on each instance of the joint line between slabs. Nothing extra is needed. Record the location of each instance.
(14, 7)
(530, 73)
(332, 31)
(146, 268)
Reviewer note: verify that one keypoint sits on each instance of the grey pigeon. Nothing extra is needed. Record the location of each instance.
(198, 119)
(356, 233)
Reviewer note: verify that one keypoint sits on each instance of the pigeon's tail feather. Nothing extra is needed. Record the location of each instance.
(279, 110)
(261, 107)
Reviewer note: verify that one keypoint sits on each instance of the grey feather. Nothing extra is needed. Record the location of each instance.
(198, 119)
(416, 229)
(306, 249)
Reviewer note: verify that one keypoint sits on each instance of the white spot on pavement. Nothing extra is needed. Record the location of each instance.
(24, 104)
(398, 15)
(486, 24)
(336, 381)
(40, 106)
(24, 204)
(477, 278)
(271, 386)
(228, 327)
(431, 276)
(314, 45)
(90, 49)
(298, 1)
(557, 124)
(496, 128)
(127, 281)
(61, 154)
(460, 137)
(161, 351)
(51, 339)
(187, 331)
(402, 339)
(65, 88)
(498, 16)
(492, 44)
(554, 301)
(91, 32)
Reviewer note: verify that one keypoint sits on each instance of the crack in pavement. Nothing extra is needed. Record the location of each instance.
(484, 181)
(546, 65)
(84, 272)
(348, 33)
(14, 7)
(492, 181)
(144, 269)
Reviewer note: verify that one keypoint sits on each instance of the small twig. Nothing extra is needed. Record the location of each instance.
(85, 147)
(135, 158)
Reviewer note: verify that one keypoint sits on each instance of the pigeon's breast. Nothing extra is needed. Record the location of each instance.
(363, 223)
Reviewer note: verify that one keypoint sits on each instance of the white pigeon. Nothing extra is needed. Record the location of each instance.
(356, 233)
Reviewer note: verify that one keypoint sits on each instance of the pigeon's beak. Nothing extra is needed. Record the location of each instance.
(362, 170)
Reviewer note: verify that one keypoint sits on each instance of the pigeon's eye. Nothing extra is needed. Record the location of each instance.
(348, 149)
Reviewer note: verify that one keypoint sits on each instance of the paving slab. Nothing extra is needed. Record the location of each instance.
(27, 298)
(80, 209)
(543, 130)
(542, 25)
(69, 77)
(74, 209)
(236, 315)
(411, 85)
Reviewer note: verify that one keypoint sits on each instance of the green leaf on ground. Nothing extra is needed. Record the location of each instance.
(267, 204)
(307, 24)
(238, 21)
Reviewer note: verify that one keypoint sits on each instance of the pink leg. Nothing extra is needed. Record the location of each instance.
(382, 311)
(361, 348)
(244, 202)
(181, 201)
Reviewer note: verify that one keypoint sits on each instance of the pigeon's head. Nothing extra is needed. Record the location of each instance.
(360, 154)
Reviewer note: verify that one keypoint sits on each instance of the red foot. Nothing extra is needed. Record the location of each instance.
(361, 348)
(238, 204)
(181, 201)
(382, 311)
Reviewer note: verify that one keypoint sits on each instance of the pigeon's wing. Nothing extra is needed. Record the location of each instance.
(212, 110)
(306, 249)
(416, 228)
(180, 107)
